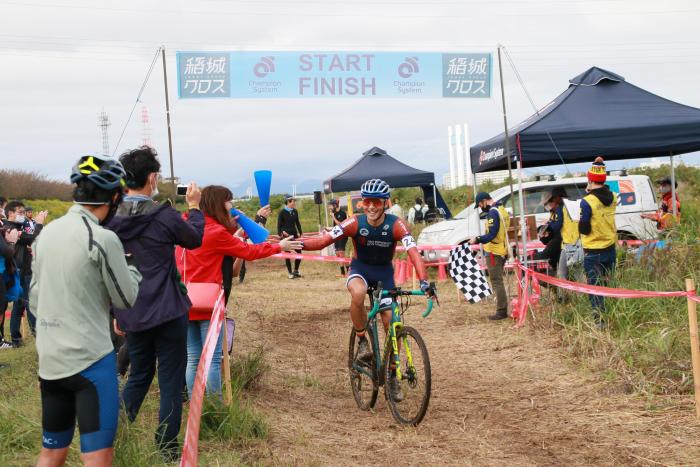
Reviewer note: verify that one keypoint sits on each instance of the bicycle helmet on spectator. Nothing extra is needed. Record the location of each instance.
(375, 188)
(106, 175)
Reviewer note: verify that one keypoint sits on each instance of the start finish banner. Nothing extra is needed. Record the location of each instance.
(254, 75)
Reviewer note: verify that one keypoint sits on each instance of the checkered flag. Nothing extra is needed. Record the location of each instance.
(467, 274)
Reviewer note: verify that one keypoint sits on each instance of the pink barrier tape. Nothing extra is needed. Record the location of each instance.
(600, 290)
(190, 449)
(329, 259)
(693, 297)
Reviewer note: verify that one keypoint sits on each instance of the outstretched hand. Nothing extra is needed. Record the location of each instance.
(290, 244)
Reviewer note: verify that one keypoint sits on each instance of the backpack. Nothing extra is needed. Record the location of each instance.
(418, 216)
(13, 292)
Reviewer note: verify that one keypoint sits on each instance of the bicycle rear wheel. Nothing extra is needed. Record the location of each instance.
(363, 375)
(415, 378)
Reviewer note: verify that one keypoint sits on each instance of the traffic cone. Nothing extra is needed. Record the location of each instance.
(402, 272)
(442, 274)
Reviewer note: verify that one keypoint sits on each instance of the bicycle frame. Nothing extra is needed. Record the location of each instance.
(394, 326)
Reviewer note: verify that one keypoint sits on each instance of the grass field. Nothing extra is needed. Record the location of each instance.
(500, 396)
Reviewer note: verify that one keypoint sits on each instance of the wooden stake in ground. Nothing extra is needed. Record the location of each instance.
(228, 396)
(694, 343)
(24, 328)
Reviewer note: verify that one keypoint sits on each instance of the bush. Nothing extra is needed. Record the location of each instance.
(20, 184)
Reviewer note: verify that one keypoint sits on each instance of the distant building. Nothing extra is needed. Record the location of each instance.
(497, 176)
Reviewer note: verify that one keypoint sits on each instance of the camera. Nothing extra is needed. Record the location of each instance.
(181, 190)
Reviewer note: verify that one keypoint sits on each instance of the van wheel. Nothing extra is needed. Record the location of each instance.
(621, 235)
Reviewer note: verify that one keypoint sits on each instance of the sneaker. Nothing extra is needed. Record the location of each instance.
(297, 274)
(5, 345)
(364, 352)
(17, 343)
(291, 276)
(499, 316)
(395, 389)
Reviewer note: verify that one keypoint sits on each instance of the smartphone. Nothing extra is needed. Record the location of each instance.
(181, 190)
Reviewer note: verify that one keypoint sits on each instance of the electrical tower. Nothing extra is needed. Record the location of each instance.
(104, 123)
(146, 126)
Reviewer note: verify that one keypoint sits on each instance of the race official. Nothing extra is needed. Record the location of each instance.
(664, 215)
(495, 243)
(598, 234)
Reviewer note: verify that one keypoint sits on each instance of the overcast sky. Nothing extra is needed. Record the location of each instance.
(64, 61)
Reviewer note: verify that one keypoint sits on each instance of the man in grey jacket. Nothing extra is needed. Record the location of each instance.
(80, 269)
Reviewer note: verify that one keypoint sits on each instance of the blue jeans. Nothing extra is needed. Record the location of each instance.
(196, 335)
(18, 309)
(165, 345)
(599, 266)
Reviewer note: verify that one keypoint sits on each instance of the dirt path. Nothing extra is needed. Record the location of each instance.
(500, 397)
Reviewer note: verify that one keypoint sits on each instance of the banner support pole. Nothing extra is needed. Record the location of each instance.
(507, 148)
(167, 115)
(228, 395)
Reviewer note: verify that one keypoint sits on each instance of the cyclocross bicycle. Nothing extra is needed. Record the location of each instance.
(404, 354)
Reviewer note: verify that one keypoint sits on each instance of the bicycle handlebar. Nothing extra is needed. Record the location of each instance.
(379, 293)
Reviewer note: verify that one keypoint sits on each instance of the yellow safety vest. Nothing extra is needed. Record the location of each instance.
(499, 245)
(603, 230)
(569, 229)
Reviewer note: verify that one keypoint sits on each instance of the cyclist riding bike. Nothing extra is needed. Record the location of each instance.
(374, 236)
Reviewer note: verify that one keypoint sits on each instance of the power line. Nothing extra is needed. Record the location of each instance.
(373, 14)
(138, 99)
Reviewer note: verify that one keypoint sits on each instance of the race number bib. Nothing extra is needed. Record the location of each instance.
(408, 242)
(336, 232)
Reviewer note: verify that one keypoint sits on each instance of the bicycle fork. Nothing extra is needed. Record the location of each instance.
(395, 325)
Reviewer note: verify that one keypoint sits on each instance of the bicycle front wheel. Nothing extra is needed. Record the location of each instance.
(363, 374)
(408, 402)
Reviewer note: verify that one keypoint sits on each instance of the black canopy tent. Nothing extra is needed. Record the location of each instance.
(599, 114)
(377, 163)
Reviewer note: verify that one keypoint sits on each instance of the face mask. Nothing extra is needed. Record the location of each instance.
(485, 208)
(20, 219)
(154, 190)
(665, 189)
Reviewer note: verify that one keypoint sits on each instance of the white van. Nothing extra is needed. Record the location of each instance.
(635, 196)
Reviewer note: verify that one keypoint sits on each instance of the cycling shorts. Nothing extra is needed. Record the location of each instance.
(91, 396)
(371, 274)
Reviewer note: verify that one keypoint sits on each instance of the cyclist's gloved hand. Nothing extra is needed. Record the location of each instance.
(427, 288)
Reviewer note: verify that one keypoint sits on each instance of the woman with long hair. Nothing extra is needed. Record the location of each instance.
(203, 264)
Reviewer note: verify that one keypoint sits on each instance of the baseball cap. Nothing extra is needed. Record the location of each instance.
(481, 196)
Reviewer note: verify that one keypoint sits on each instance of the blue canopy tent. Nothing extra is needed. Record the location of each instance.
(377, 163)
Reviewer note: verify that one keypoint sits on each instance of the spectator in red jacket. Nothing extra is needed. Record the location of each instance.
(203, 264)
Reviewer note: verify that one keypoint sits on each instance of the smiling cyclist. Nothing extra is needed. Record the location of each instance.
(374, 236)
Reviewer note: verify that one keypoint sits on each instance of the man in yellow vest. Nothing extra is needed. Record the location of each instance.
(496, 247)
(598, 234)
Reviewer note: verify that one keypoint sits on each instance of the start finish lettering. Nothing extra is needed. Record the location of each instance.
(337, 85)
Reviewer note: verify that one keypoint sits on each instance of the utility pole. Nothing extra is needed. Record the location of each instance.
(167, 114)
(104, 123)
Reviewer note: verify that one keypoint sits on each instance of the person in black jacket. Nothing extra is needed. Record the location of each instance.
(156, 325)
(8, 239)
(288, 225)
(23, 260)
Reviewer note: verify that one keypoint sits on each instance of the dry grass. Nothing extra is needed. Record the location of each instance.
(500, 397)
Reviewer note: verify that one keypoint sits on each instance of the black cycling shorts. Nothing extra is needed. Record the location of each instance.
(91, 396)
